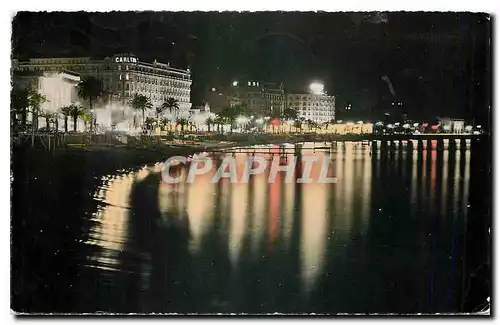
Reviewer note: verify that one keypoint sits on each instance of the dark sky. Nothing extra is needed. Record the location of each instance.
(439, 63)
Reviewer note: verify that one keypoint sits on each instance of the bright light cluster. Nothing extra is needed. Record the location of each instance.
(317, 88)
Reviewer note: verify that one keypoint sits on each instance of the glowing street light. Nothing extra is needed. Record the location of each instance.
(390, 126)
(406, 125)
(360, 122)
(415, 124)
(396, 124)
(235, 83)
(479, 126)
(316, 88)
(241, 120)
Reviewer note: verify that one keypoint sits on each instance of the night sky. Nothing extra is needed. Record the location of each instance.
(439, 63)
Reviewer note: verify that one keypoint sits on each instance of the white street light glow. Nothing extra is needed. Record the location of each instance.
(235, 83)
(479, 126)
(316, 88)
(240, 120)
(390, 126)
(406, 125)
(415, 124)
(360, 122)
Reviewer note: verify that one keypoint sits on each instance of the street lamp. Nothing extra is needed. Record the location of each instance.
(235, 83)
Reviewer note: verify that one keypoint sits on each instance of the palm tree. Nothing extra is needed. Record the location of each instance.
(209, 121)
(171, 104)
(159, 111)
(164, 122)
(54, 119)
(182, 121)
(142, 103)
(149, 124)
(36, 100)
(311, 124)
(75, 111)
(47, 116)
(219, 120)
(289, 114)
(299, 122)
(66, 112)
(19, 103)
(327, 124)
(91, 89)
(192, 126)
(230, 113)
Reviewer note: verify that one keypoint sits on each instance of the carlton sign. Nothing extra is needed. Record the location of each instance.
(126, 60)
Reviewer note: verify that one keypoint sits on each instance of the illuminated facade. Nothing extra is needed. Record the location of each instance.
(261, 98)
(57, 87)
(122, 76)
(316, 107)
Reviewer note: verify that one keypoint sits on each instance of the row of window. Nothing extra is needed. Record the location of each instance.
(318, 112)
(60, 61)
(309, 97)
(175, 80)
(163, 73)
(184, 99)
(162, 81)
(312, 105)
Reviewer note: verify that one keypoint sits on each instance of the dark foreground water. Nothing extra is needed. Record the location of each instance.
(402, 231)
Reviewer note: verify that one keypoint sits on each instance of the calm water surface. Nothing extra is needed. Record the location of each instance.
(389, 236)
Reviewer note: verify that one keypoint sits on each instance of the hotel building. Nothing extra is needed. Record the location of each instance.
(261, 98)
(316, 107)
(122, 75)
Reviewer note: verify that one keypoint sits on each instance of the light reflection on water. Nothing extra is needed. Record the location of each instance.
(337, 220)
